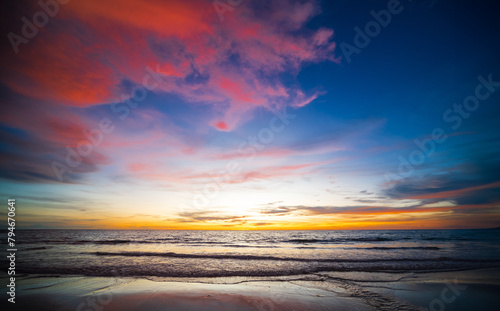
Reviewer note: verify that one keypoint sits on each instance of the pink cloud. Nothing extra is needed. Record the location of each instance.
(94, 50)
(96, 44)
(221, 125)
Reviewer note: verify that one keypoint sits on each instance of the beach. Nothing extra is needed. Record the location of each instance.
(344, 291)
(106, 270)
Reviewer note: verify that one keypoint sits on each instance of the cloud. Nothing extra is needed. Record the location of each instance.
(209, 216)
(221, 126)
(28, 158)
(93, 54)
(233, 66)
(309, 210)
(257, 224)
(367, 212)
(474, 181)
(337, 138)
(281, 210)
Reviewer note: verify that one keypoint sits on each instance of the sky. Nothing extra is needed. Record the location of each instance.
(250, 115)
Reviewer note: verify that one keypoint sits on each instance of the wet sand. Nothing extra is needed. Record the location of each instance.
(463, 290)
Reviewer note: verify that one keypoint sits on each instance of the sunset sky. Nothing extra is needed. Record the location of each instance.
(251, 114)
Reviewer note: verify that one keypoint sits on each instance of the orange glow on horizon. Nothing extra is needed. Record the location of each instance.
(425, 218)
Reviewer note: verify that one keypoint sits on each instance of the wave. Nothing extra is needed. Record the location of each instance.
(239, 245)
(448, 239)
(112, 242)
(429, 248)
(105, 242)
(153, 241)
(163, 239)
(433, 248)
(87, 242)
(378, 239)
(68, 241)
(273, 258)
(35, 248)
(267, 243)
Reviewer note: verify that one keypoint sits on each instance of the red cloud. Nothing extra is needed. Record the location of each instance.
(221, 125)
(93, 45)
(93, 52)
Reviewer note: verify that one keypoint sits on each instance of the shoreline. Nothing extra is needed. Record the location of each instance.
(455, 290)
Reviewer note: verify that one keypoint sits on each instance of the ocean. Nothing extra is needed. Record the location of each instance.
(251, 253)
